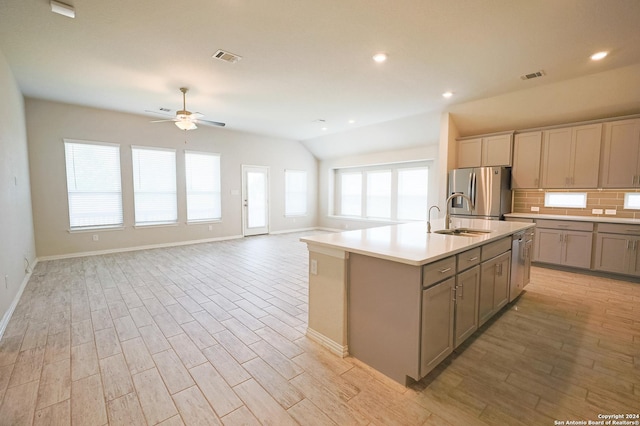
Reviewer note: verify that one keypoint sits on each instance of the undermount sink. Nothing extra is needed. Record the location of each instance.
(463, 232)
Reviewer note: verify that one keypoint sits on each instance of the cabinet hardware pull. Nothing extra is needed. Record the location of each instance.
(633, 181)
(461, 287)
(627, 244)
(635, 242)
(563, 226)
(535, 182)
(442, 271)
(453, 290)
(471, 259)
(560, 238)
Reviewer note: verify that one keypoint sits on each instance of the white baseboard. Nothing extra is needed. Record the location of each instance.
(289, 231)
(336, 348)
(136, 248)
(7, 315)
(323, 228)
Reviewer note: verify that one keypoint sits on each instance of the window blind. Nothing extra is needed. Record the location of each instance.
(93, 184)
(203, 186)
(295, 190)
(154, 185)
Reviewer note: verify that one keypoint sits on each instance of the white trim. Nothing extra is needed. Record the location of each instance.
(136, 248)
(324, 228)
(288, 231)
(334, 347)
(7, 315)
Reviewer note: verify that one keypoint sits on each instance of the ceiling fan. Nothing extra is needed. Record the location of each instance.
(186, 120)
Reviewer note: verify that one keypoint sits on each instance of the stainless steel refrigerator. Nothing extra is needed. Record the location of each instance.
(488, 187)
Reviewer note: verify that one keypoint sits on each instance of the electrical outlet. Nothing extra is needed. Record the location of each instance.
(596, 211)
(535, 209)
(610, 211)
(314, 267)
(95, 237)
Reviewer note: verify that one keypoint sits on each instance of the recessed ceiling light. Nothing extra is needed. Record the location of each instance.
(380, 57)
(324, 128)
(447, 95)
(599, 55)
(352, 121)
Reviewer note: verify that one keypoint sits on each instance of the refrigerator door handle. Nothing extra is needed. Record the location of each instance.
(473, 191)
(470, 186)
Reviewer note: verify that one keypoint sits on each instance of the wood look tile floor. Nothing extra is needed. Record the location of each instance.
(214, 334)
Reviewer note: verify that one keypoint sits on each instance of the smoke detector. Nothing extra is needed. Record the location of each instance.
(225, 56)
(533, 75)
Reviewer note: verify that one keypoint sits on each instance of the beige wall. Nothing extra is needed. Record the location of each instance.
(16, 224)
(48, 123)
(325, 173)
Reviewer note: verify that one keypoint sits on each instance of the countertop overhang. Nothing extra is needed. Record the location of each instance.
(409, 243)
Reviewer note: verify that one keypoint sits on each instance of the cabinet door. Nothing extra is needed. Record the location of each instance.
(585, 158)
(467, 286)
(577, 249)
(470, 153)
(527, 148)
(634, 256)
(556, 158)
(437, 324)
(485, 298)
(501, 283)
(621, 154)
(496, 150)
(611, 253)
(549, 245)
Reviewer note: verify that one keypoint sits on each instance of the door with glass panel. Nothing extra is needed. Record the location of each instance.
(255, 200)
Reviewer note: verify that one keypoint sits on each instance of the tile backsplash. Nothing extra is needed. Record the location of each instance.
(523, 200)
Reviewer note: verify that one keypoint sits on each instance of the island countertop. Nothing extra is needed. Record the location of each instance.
(409, 243)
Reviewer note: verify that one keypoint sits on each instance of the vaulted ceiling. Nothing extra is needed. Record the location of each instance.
(306, 69)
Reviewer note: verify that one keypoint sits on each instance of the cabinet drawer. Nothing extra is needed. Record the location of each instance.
(495, 248)
(564, 225)
(438, 271)
(619, 228)
(468, 259)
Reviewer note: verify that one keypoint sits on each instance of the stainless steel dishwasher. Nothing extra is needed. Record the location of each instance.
(518, 244)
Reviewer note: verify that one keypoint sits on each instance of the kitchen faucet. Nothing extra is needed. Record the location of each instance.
(429, 218)
(447, 217)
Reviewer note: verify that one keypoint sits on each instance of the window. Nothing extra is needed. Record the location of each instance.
(351, 194)
(396, 191)
(295, 193)
(203, 186)
(413, 189)
(93, 184)
(379, 194)
(632, 200)
(154, 185)
(571, 200)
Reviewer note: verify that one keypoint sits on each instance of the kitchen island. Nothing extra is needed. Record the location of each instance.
(400, 299)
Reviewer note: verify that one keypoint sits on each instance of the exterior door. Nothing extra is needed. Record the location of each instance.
(255, 200)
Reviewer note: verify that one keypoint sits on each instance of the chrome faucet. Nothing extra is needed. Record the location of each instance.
(447, 217)
(429, 218)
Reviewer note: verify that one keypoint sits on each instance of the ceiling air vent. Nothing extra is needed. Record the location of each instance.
(227, 56)
(532, 75)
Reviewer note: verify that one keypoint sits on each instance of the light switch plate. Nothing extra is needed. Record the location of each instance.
(596, 211)
(535, 209)
(610, 211)
(314, 267)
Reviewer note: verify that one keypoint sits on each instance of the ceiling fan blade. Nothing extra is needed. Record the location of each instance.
(214, 123)
(162, 121)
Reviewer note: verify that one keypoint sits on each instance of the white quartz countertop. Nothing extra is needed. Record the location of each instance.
(595, 219)
(410, 243)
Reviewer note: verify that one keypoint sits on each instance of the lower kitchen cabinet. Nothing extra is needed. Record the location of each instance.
(557, 244)
(466, 304)
(437, 324)
(494, 286)
(617, 251)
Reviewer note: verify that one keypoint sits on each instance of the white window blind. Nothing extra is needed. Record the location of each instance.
(413, 188)
(203, 186)
(351, 194)
(295, 192)
(379, 194)
(154, 185)
(93, 184)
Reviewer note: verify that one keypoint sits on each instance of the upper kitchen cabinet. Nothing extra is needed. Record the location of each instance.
(527, 149)
(492, 150)
(571, 157)
(621, 154)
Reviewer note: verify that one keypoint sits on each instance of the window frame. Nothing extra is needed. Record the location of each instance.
(175, 180)
(565, 205)
(287, 192)
(186, 183)
(113, 226)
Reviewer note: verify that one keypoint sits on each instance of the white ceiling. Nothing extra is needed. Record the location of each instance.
(306, 60)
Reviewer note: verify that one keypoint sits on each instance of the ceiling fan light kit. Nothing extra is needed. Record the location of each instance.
(186, 125)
